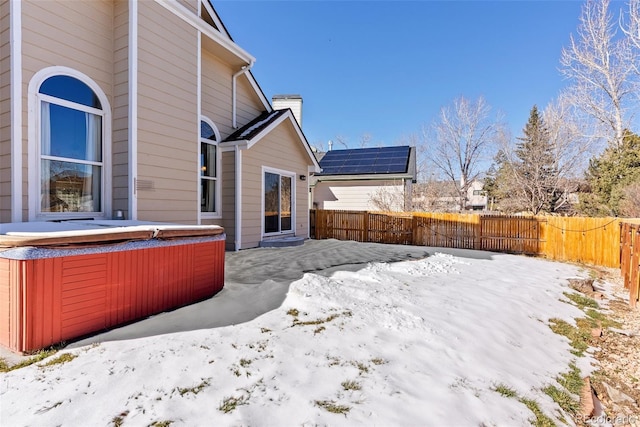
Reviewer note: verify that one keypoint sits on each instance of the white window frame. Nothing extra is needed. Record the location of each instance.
(218, 181)
(35, 98)
(293, 177)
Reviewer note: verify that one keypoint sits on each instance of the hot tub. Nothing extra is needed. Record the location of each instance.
(61, 281)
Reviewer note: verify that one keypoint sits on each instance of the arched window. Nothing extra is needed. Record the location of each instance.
(70, 148)
(209, 170)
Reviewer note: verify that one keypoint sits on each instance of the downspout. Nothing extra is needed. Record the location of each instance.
(234, 95)
(238, 213)
(238, 153)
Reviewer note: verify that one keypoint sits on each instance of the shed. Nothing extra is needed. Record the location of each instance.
(352, 179)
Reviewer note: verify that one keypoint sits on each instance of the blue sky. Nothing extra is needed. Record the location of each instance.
(385, 68)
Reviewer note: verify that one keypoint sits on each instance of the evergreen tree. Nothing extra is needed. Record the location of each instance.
(535, 169)
(608, 175)
(496, 182)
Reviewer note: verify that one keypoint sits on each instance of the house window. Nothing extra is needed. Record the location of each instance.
(209, 169)
(278, 202)
(71, 168)
(477, 192)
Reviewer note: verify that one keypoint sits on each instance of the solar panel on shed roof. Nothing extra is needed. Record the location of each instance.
(366, 161)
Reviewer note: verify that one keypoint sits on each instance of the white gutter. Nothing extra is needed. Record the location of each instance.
(15, 42)
(234, 95)
(133, 110)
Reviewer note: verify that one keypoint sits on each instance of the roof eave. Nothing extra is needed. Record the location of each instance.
(242, 144)
(256, 86)
(221, 39)
(364, 177)
(288, 115)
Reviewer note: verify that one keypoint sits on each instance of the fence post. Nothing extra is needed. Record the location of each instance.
(478, 241)
(414, 230)
(312, 223)
(365, 226)
(319, 226)
(634, 284)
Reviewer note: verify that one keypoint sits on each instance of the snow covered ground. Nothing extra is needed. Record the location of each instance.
(362, 338)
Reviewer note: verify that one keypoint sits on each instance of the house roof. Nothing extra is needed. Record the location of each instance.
(369, 161)
(256, 126)
(255, 130)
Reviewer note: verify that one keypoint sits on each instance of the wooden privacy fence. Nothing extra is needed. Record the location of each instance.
(588, 240)
(630, 259)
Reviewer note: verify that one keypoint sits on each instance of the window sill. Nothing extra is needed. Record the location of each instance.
(210, 216)
(69, 216)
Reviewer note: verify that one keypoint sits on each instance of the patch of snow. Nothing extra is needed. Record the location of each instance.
(419, 342)
(258, 124)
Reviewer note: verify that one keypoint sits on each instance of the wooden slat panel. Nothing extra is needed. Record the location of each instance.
(510, 234)
(634, 277)
(625, 253)
(5, 299)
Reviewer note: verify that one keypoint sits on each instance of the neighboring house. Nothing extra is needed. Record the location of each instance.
(365, 179)
(443, 196)
(476, 196)
(148, 108)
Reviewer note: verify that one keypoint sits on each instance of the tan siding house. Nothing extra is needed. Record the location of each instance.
(5, 114)
(148, 110)
(265, 157)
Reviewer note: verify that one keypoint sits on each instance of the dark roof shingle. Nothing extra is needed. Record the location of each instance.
(257, 125)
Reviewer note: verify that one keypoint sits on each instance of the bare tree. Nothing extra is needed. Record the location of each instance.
(434, 195)
(319, 146)
(542, 171)
(572, 147)
(342, 140)
(570, 134)
(463, 136)
(601, 67)
(630, 203)
(389, 198)
(365, 139)
(631, 25)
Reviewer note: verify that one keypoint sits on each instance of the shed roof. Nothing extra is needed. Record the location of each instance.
(367, 161)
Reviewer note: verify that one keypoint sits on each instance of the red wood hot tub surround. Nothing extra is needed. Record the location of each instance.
(49, 300)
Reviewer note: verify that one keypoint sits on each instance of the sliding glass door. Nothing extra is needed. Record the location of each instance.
(278, 203)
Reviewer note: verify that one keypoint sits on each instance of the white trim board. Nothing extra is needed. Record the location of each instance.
(133, 110)
(189, 17)
(218, 201)
(33, 102)
(15, 42)
(294, 212)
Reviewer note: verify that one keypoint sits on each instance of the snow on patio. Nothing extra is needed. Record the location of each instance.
(383, 341)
